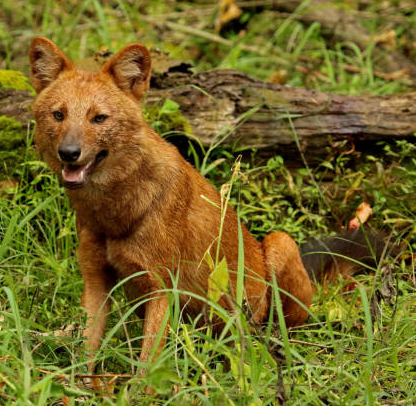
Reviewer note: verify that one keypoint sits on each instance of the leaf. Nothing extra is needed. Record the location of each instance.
(218, 281)
(188, 343)
(209, 261)
(213, 165)
(161, 380)
(59, 390)
(387, 38)
(335, 311)
(328, 165)
(362, 214)
(235, 366)
(354, 187)
(169, 107)
(228, 12)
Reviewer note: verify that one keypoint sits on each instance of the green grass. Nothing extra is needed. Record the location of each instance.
(357, 347)
(344, 356)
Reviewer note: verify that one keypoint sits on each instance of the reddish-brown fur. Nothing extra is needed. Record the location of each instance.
(140, 209)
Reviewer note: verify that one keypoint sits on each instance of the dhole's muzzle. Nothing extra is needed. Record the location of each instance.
(76, 163)
(74, 174)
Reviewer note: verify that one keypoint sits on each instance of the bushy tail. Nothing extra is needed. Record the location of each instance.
(342, 254)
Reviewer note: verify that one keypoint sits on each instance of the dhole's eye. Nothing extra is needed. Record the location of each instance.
(58, 115)
(99, 118)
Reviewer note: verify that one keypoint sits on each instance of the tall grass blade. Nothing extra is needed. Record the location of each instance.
(282, 323)
(8, 236)
(240, 267)
(369, 333)
(22, 340)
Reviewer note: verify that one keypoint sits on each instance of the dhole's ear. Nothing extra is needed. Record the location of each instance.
(130, 69)
(47, 61)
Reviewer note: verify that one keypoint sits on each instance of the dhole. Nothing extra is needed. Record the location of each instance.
(138, 202)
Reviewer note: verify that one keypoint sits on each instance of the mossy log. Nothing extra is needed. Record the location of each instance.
(15, 100)
(229, 104)
(15, 95)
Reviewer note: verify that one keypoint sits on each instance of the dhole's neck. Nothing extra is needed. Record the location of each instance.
(119, 205)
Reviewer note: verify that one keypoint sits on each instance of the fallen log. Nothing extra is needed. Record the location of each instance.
(229, 106)
(270, 116)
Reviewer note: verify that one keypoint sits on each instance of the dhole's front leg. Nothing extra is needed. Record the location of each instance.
(155, 312)
(98, 278)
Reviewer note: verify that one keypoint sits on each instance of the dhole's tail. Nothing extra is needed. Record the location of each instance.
(343, 254)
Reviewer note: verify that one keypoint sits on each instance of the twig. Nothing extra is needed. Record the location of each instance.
(81, 376)
(327, 347)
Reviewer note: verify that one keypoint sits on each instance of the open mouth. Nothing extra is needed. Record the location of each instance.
(75, 176)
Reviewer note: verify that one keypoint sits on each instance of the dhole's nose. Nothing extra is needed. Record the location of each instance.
(69, 152)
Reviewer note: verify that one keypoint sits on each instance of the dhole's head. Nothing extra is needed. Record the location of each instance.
(88, 122)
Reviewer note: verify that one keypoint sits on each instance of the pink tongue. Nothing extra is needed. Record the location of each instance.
(73, 173)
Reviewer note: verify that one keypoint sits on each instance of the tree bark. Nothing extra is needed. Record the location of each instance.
(16, 103)
(270, 116)
(230, 106)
